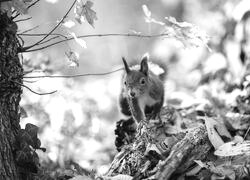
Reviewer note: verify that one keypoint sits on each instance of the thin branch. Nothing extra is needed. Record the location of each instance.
(32, 4)
(4, 0)
(25, 19)
(58, 24)
(43, 34)
(32, 90)
(246, 133)
(24, 49)
(50, 39)
(56, 35)
(77, 75)
(37, 26)
(29, 81)
(28, 30)
(21, 44)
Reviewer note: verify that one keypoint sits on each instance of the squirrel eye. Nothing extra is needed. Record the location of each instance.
(142, 81)
(125, 82)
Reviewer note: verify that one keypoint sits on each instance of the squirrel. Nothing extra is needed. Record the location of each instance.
(142, 92)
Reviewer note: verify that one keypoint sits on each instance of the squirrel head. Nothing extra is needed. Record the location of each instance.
(136, 81)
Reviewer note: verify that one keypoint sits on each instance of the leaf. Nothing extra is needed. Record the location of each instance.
(23, 113)
(148, 18)
(81, 42)
(233, 149)
(31, 129)
(6, 7)
(118, 177)
(213, 135)
(73, 58)
(79, 169)
(220, 170)
(69, 24)
(21, 156)
(81, 178)
(84, 11)
(146, 10)
(187, 33)
(147, 13)
(24, 136)
(20, 6)
(200, 163)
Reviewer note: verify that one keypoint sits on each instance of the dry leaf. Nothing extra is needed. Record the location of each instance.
(213, 135)
(233, 149)
(221, 171)
(118, 177)
(84, 11)
(81, 178)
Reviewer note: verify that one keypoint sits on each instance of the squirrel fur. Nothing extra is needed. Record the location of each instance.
(142, 92)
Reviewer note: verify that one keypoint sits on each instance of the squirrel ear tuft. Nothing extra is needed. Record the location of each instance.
(125, 65)
(144, 65)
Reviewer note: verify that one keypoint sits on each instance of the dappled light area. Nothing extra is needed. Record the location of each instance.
(178, 69)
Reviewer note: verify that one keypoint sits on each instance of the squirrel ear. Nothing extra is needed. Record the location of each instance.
(144, 65)
(125, 65)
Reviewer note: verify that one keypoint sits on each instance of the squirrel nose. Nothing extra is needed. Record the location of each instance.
(132, 94)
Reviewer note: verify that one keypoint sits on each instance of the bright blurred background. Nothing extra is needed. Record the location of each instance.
(78, 121)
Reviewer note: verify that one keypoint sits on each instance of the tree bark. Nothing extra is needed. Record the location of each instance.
(10, 95)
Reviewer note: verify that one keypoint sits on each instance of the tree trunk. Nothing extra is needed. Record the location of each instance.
(10, 95)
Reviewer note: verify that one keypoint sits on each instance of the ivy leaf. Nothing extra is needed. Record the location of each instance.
(24, 136)
(73, 58)
(23, 113)
(21, 156)
(84, 11)
(31, 129)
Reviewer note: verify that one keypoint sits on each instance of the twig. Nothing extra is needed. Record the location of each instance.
(32, 4)
(50, 39)
(32, 90)
(25, 19)
(22, 41)
(77, 75)
(28, 30)
(29, 81)
(246, 133)
(24, 49)
(58, 24)
(4, 0)
(43, 34)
